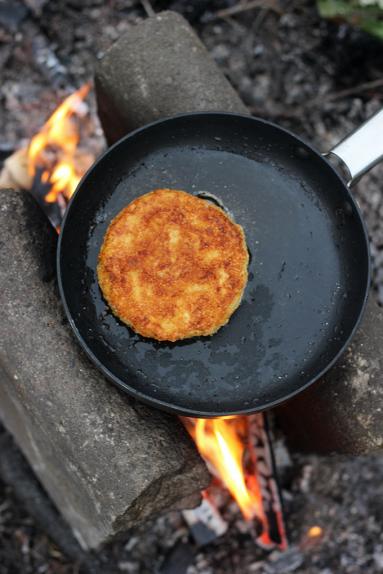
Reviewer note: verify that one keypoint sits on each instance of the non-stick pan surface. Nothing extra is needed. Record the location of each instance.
(308, 274)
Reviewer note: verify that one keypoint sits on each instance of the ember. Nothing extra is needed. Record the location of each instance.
(315, 532)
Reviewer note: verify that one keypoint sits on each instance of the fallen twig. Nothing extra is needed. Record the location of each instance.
(245, 6)
(353, 90)
(148, 8)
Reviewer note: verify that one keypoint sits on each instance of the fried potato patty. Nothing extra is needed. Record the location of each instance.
(173, 266)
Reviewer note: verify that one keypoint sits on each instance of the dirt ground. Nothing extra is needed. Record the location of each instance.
(317, 78)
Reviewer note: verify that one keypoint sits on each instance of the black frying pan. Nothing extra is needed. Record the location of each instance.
(308, 273)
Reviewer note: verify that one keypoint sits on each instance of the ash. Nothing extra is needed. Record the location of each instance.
(317, 78)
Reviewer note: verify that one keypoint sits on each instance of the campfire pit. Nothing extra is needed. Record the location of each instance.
(49, 168)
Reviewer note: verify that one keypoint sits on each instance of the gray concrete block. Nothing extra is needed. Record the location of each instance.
(343, 413)
(106, 461)
(157, 69)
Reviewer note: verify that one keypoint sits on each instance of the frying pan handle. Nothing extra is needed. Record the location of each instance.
(362, 149)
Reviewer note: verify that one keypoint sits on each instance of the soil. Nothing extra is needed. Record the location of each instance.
(317, 78)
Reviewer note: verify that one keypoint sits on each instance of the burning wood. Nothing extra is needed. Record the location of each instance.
(205, 522)
(262, 471)
(238, 453)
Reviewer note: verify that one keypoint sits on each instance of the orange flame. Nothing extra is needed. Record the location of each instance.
(58, 137)
(221, 446)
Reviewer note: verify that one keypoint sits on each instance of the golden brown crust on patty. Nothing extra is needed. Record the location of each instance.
(173, 266)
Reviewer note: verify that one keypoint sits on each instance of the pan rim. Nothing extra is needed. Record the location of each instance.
(174, 408)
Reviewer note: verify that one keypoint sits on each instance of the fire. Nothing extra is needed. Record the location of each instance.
(231, 451)
(220, 445)
(53, 150)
